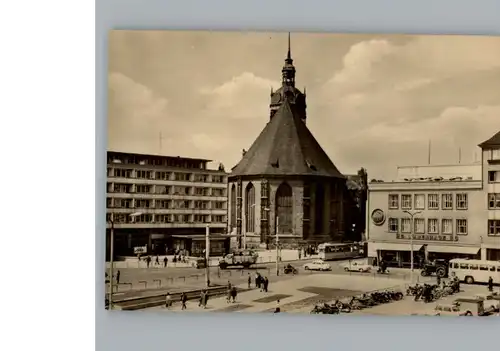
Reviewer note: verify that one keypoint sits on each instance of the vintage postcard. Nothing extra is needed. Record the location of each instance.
(303, 173)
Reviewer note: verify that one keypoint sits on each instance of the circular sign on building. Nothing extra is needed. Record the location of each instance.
(378, 217)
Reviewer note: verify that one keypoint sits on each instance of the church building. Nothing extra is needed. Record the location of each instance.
(285, 183)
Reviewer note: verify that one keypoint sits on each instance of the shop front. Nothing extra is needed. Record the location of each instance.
(194, 245)
(449, 252)
(396, 254)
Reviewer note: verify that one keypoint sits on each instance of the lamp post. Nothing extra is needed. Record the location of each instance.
(111, 259)
(207, 255)
(276, 231)
(412, 215)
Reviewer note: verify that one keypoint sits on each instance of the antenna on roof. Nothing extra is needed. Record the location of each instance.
(429, 153)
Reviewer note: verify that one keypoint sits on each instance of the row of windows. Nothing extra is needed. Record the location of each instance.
(164, 189)
(474, 267)
(165, 204)
(418, 202)
(162, 175)
(165, 218)
(433, 226)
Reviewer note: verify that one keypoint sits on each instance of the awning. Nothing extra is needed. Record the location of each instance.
(453, 249)
(201, 237)
(393, 247)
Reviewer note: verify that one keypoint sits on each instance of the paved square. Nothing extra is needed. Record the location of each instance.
(272, 298)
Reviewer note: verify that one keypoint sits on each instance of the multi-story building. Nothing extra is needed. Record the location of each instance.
(446, 211)
(442, 207)
(162, 202)
(491, 185)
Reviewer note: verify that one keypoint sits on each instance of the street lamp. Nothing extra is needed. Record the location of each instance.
(207, 255)
(111, 259)
(412, 215)
(276, 230)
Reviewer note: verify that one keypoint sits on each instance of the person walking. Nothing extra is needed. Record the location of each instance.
(266, 284)
(183, 301)
(490, 284)
(205, 299)
(148, 261)
(118, 277)
(165, 262)
(278, 308)
(234, 293)
(202, 299)
(168, 300)
(249, 280)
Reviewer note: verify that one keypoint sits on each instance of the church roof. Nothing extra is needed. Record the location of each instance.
(286, 147)
(494, 141)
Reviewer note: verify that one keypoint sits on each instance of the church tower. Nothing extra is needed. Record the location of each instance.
(296, 98)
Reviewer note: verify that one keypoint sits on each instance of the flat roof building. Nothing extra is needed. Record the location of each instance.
(447, 210)
(161, 202)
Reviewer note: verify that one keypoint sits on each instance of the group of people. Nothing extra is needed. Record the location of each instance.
(175, 259)
(232, 293)
(261, 282)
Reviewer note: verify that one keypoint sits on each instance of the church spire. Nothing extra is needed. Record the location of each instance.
(288, 71)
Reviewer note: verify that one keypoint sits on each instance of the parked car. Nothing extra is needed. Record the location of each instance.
(357, 267)
(317, 265)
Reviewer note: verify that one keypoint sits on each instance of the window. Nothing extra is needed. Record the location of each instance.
(447, 201)
(447, 226)
(284, 208)
(109, 202)
(199, 191)
(218, 219)
(143, 189)
(433, 200)
(123, 173)
(109, 171)
(144, 218)
(201, 178)
(122, 188)
(162, 189)
(419, 225)
(181, 176)
(493, 200)
(393, 201)
(405, 225)
(462, 226)
(495, 154)
(393, 225)
(493, 176)
(493, 227)
(461, 201)
(250, 208)
(162, 175)
(218, 192)
(432, 226)
(142, 203)
(406, 202)
(419, 201)
(143, 174)
(162, 204)
(219, 205)
(217, 179)
(233, 206)
(464, 266)
(473, 267)
(484, 268)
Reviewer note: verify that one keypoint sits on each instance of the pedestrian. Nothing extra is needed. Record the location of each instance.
(228, 298)
(300, 254)
(278, 308)
(174, 260)
(206, 299)
(148, 261)
(168, 300)
(165, 262)
(183, 301)
(257, 280)
(438, 280)
(490, 284)
(202, 299)
(118, 277)
(234, 293)
(157, 262)
(266, 284)
(249, 280)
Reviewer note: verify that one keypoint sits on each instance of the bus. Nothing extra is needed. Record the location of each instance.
(338, 251)
(474, 271)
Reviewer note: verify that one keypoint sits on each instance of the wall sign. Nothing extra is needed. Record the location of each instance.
(378, 217)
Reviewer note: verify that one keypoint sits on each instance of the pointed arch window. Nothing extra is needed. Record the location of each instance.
(250, 208)
(284, 209)
(233, 206)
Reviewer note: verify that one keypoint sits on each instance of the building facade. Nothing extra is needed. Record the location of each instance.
(285, 183)
(445, 211)
(161, 202)
(491, 185)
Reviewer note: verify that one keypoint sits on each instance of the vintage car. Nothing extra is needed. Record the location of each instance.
(357, 267)
(450, 310)
(317, 265)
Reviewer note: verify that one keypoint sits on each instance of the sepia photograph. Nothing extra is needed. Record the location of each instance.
(303, 173)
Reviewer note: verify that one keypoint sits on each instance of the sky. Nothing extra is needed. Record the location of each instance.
(373, 101)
